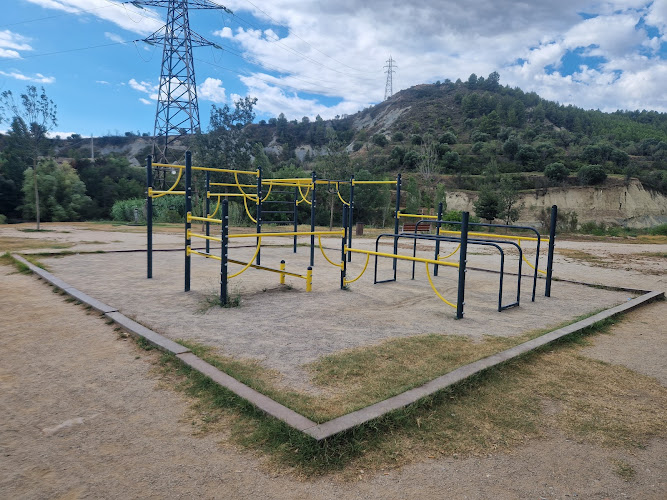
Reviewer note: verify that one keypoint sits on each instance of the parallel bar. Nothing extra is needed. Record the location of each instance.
(211, 169)
(373, 182)
(463, 255)
(259, 212)
(417, 216)
(224, 252)
(290, 233)
(296, 214)
(149, 217)
(153, 191)
(264, 268)
(550, 254)
(400, 257)
(188, 210)
(497, 236)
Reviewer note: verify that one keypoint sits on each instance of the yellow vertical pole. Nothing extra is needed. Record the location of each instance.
(282, 275)
(309, 279)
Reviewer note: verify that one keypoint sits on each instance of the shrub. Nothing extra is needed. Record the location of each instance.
(556, 172)
(165, 209)
(398, 137)
(660, 230)
(3, 219)
(380, 140)
(590, 175)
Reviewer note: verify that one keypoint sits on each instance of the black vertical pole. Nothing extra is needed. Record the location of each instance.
(351, 218)
(208, 210)
(463, 253)
(259, 210)
(312, 220)
(550, 255)
(188, 211)
(149, 217)
(437, 242)
(398, 209)
(224, 252)
(343, 259)
(296, 215)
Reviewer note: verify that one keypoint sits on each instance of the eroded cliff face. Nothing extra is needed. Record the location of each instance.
(628, 204)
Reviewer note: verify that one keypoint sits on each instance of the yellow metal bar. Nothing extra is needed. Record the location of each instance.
(347, 282)
(302, 180)
(236, 178)
(203, 236)
(207, 255)
(319, 239)
(249, 264)
(210, 169)
(401, 257)
(290, 233)
(417, 216)
(282, 274)
(268, 193)
(428, 273)
(527, 262)
(245, 204)
(217, 206)
(341, 198)
(162, 193)
(497, 236)
(171, 189)
(167, 165)
(203, 219)
(232, 195)
(449, 255)
(231, 184)
(271, 270)
(309, 280)
(303, 196)
(373, 182)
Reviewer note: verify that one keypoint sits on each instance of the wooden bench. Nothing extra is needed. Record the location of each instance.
(424, 227)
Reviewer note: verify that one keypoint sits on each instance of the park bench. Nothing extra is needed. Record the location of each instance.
(424, 227)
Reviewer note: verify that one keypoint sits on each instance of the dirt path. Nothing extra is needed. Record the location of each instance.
(84, 416)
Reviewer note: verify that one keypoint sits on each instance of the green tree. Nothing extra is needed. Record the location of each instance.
(508, 200)
(32, 116)
(556, 172)
(412, 196)
(62, 195)
(590, 175)
(487, 205)
(428, 159)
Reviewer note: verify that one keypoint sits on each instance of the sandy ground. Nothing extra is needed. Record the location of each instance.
(286, 328)
(84, 415)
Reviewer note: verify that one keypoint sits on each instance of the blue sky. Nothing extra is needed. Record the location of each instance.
(305, 58)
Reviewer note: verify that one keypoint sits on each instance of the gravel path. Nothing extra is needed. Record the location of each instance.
(84, 415)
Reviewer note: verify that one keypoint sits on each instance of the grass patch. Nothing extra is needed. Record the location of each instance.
(14, 244)
(35, 261)
(581, 255)
(7, 260)
(624, 470)
(498, 409)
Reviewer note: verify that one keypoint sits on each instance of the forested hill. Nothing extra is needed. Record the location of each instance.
(464, 128)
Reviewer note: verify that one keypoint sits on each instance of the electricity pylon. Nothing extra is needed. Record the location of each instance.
(389, 86)
(177, 112)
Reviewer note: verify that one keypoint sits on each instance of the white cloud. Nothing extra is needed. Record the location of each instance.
(145, 87)
(11, 43)
(145, 101)
(37, 78)
(212, 90)
(134, 19)
(102, 82)
(114, 37)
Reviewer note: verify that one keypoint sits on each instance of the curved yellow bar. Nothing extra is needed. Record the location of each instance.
(178, 179)
(448, 256)
(245, 204)
(319, 239)
(368, 258)
(428, 273)
(341, 198)
(247, 266)
(246, 195)
(526, 260)
(303, 197)
(217, 207)
(268, 193)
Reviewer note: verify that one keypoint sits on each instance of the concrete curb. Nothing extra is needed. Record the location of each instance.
(356, 418)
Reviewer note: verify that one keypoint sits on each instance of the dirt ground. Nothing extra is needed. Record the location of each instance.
(85, 414)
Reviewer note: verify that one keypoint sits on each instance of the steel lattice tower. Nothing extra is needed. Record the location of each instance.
(389, 86)
(177, 112)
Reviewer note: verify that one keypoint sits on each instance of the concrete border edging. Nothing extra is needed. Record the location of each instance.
(345, 422)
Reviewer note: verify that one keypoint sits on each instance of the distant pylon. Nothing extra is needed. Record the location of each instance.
(389, 86)
(177, 112)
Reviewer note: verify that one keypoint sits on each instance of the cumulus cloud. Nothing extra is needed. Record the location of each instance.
(11, 43)
(125, 15)
(338, 50)
(145, 101)
(145, 87)
(36, 78)
(212, 90)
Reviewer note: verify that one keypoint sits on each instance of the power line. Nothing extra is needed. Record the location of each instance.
(30, 56)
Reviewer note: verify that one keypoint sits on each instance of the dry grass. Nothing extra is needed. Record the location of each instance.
(8, 244)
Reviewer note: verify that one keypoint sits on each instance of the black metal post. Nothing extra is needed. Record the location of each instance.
(343, 259)
(550, 255)
(224, 252)
(350, 215)
(460, 300)
(398, 209)
(312, 220)
(188, 211)
(437, 242)
(296, 215)
(259, 210)
(149, 217)
(208, 210)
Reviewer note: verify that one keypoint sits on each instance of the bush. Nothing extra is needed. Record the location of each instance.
(380, 140)
(398, 137)
(448, 138)
(3, 219)
(556, 172)
(590, 175)
(165, 209)
(660, 230)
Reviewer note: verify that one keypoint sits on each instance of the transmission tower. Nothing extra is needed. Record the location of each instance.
(177, 112)
(389, 86)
